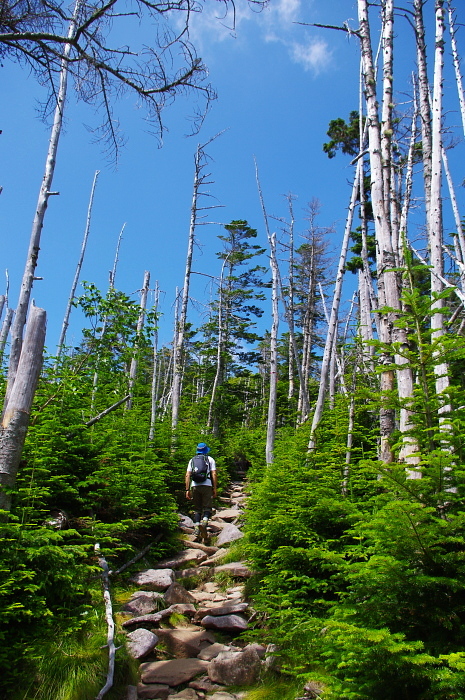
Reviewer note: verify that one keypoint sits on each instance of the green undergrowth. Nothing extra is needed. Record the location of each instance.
(74, 667)
(274, 689)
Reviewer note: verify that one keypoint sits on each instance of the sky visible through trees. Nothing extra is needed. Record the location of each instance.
(279, 84)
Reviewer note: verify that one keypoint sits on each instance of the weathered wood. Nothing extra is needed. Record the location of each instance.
(110, 624)
(6, 325)
(15, 419)
(140, 325)
(42, 202)
(69, 305)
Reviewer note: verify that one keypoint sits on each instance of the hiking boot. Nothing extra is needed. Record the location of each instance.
(196, 532)
(203, 529)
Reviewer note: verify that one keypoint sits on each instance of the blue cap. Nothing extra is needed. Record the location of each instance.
(202, 448)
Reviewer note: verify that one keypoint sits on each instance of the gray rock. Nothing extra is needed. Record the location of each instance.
(212, 651)
(187, 641)
(229, 533)
(220, 554)
(225, 623)
(204, 685)
(187, 573)
(226, 609)
(235, 667)
(156, 618)
(172, 672)
(227, 514)
(178, 594)
(186, 694)
(187, 555)
(258, 648)
(154, 579)
(222, 695)
(236, 568)
(140, 642)
(154, 690)
(185, 520)
(142, 605)
(198, 545)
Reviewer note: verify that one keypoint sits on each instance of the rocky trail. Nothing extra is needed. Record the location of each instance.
(186, 639)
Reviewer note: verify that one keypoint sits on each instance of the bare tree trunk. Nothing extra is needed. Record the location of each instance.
(155, 372)
(112, 275)
(387, 252)
(140, 325)
(271, 423)
(65, 325)
(456, 58)
(15, 419)
(110, 624)
(44, 194)
(219, 350)
(179, 346)
(333, 319)
(435, 218)
(4, 332)
(425, 110)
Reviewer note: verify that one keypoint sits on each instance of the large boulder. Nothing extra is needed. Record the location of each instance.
(185, 521)
(172, 672)
(235, 667)
(181, 558)
(178, 594)
(187, 573)
(227, 514)
(225, 623)
(228, 534)
(154, 690)
(140, 642)
(154, 579)
(186, 642)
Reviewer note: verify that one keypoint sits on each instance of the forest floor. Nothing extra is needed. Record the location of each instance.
(184, 620)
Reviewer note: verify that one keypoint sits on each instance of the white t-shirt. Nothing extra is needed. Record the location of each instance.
(208, 481)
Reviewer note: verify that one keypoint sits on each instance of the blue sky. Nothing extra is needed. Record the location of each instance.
(278, 84)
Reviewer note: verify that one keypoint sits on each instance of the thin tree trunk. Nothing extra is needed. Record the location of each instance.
(219, 350)
(140, 325)
(435, 218)
(6, 325)
(456, 59)
(271, 422)
(42, 202)
(155, 372)
(65, 325)
(15, 419)
(333, 319)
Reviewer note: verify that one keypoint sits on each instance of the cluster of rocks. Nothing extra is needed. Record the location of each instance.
(185, 661)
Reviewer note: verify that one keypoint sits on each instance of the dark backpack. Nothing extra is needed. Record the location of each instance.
(200, 468)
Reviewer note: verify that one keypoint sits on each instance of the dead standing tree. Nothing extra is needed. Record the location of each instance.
(201, 180)
(15, 419)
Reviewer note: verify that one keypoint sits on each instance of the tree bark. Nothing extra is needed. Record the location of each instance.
(44, 194)
(65, 325)
(16, 416)
(140, 325)
(271, 422)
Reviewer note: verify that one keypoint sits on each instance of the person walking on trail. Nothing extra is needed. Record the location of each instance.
(201, 487)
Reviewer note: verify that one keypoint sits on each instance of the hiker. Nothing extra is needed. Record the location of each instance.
(201, 485)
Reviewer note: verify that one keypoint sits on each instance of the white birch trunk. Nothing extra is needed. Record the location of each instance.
(456, 59)
(42, 202)
(435, 233)
(65, 325)
(387, 254)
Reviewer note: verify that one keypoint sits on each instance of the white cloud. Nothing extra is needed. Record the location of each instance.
(313, 56)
